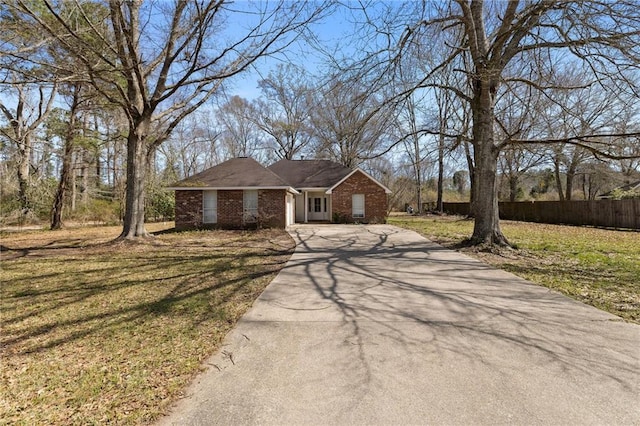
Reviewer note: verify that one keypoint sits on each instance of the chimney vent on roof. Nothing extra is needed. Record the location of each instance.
(302, 157)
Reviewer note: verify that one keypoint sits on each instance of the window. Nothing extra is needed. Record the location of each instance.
(210, 206)
(317, 202)
(357, 205)
(250, 205)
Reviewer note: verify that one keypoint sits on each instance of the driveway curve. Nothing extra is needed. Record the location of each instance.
(377, 325)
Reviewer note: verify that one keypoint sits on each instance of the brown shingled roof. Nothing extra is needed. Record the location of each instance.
(310, 173)
(240, 172)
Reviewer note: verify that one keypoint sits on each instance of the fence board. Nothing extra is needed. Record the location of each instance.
(605, 213)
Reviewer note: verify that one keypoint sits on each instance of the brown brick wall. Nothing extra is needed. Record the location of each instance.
(375, 200)
(230, 209)
(188, 209)
(271, 207)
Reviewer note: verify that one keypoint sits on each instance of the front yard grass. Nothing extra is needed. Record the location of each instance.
(96, 332)
(599, 267)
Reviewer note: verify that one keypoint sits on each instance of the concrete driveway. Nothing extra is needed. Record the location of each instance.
(377, 325)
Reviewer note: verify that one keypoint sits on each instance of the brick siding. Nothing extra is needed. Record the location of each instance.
(230, 209)
(271, 208)
(188, 209)
(375, 200)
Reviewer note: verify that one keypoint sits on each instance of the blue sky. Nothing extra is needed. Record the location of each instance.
(333, 32)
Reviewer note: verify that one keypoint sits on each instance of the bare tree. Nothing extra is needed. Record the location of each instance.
(518, 112)
(417, 129)
(282, 112)
(495, 35)
(351, 123)
(413, 145)
(33, 105)
(584, 110)
(193, 146)
(161, 61)
(239, 134)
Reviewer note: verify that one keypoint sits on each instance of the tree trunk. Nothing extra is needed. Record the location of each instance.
(137, 158)
(418, 173)
(513, 188)
(74, 191)
(571, 173)
(24, 160)
(486, 228)
(419, 192)
(439, 205)
(58, 202)
(67, 157)
(556, 172)
(472, 186)
(487, 223)
(84, 170)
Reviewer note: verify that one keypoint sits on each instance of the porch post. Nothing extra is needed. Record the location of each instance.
(306, 206)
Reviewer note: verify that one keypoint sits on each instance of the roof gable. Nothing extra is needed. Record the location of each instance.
(386, 190)
(240, 172)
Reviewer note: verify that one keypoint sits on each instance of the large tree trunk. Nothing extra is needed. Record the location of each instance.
(472, 177)
(486, 228)
(137, 156)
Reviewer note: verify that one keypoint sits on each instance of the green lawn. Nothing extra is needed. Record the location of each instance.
(96, 332)
(599, 267)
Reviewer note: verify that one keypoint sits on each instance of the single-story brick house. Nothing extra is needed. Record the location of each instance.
(243, 193)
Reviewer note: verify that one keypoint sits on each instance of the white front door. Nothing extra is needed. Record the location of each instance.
(318, 208)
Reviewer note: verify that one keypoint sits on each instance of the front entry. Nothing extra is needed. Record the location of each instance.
(318, 207)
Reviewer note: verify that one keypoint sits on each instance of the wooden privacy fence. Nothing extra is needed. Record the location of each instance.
(606, 213)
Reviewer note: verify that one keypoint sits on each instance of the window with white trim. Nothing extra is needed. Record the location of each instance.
(357, 205)
(209, 206)
(250, 205)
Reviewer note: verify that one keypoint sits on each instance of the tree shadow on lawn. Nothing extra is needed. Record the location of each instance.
(49, 306)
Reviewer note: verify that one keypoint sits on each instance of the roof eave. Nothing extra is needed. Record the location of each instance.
(314, 189)
(229, 188)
